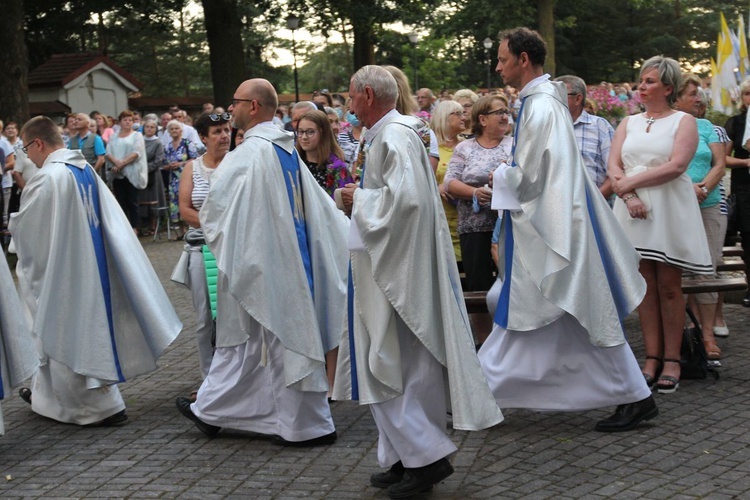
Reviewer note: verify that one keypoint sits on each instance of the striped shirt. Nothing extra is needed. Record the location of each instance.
(594, 138)
(723, 139)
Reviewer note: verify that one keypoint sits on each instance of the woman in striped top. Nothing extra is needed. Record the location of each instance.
(215, 132)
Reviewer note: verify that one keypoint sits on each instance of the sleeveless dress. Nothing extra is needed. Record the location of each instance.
(673, 232)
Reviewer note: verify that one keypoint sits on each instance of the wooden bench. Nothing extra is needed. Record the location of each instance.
(734, 251)
(476, 302)
(727, 265)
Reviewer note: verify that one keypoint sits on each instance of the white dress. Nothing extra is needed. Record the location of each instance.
(673, 232)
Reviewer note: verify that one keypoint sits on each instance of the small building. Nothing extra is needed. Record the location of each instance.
(83, 83)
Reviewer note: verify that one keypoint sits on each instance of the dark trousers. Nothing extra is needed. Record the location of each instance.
(127, 196)
(477, 260)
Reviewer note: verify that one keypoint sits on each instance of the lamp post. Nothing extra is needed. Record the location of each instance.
(292, 22)
(414, 38)
(488, 45)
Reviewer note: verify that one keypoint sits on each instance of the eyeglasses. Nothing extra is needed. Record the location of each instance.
(307, 133)
(222, 117)
(499, 112)
(459, 113)
(25, 149)
(235, 101)
(573, 93)
(320, 92)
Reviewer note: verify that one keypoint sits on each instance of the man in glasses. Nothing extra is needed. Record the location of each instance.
(569, 274)
(593, 134)
(99, 312)
(408, 329)
(280, 247)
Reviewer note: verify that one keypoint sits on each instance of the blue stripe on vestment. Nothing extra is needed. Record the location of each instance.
(87, 187)
(290, 170)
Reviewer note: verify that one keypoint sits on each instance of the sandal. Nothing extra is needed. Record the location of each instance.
(666, 383)
(713, 352)
(25, 394)
(651, 381)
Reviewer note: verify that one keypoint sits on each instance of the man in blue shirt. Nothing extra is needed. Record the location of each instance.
(593, 134)
(91, 145)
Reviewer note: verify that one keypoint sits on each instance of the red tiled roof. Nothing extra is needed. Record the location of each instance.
(61, 69)
(48, 108)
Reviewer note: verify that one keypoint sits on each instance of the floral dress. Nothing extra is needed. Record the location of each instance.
(332, 174)
(185, 151)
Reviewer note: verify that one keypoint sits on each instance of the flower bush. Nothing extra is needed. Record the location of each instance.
(611, 107)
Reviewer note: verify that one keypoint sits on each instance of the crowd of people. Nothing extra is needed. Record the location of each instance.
(371, 214)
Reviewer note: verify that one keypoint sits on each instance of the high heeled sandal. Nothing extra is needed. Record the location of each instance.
(651, 381)
(667, 384)
(712, 350)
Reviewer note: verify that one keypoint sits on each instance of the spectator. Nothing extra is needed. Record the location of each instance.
(298, 110)
(177, 153)
(333, 119)
(321, 153)
(658, 211)
(322, 97)
(91, 145)
(208, 108)
(706, 170)
(349, 140)
(126, 165)
(426, 100)
(215, 132)
(23, 168)
(8, 162)
(103, 126)
(593, 134)
(153, 195)
(466, 98)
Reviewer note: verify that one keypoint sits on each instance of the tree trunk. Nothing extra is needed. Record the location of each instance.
(364, 50)
(223, 32)
(14, 98)
(546, 20)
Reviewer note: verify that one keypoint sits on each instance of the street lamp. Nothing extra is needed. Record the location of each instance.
(414, 38)
(292, 22)
(488, 45)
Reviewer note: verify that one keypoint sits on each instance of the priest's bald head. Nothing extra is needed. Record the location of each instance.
(373, 92)
(255, 101)
(41, 137)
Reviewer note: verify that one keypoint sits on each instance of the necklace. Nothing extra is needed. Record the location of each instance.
(650, 121)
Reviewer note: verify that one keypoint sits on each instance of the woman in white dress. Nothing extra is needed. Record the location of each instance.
(658, 210)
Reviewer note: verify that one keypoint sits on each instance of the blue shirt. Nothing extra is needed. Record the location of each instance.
(594, 138)
(702, 160)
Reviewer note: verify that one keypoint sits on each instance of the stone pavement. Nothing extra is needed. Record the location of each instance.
(699, 447)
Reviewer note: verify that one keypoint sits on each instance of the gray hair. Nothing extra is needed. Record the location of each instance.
(329, 110)
(175, 122)
(465, 94)
(379, 80)
(151, 116)
(308, 105)
(577, 85)
(669, 73)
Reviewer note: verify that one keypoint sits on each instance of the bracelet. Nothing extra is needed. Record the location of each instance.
(629, 197)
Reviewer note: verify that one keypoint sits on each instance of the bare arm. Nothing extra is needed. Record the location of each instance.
(99, 163)
(187, 212)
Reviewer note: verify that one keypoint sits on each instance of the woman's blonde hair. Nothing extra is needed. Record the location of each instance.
(440, 117)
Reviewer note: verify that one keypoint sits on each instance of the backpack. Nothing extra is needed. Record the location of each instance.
(693, 357)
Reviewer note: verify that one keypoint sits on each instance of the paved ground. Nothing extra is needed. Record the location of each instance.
(699, 447)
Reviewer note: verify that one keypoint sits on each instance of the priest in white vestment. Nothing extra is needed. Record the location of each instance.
(568, 275)
(18, 359)
(410, 342)
(280, 247)
(97, 310)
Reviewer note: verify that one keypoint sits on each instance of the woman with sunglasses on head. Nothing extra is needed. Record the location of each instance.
(318, 148)
(466, 179)
(215, 132)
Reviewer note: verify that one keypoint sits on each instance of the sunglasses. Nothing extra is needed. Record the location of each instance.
(224, 117)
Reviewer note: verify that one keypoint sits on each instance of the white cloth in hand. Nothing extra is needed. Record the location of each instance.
(502, 197)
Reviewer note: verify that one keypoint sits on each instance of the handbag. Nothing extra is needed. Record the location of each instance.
(180, 274)
(693, 357)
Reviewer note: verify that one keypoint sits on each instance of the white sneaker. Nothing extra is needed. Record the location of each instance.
(721, 331)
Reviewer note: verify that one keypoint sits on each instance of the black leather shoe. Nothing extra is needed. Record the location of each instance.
(183, 406)
(746, 301)
(318, 441)
(421, 479)
(389, 477)
(628, 416)
(116, 420)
